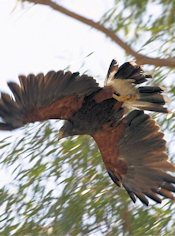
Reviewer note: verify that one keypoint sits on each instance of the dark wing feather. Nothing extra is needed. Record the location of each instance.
(134, 154)
(56, 95)
(130, 70)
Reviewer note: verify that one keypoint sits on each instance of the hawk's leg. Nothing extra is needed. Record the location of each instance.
(124, 98)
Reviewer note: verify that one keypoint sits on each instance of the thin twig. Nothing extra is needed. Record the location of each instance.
(140, 58)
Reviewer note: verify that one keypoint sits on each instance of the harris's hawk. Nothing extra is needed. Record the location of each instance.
(130, 142)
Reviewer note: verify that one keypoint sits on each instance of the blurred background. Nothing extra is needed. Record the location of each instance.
(51, 188)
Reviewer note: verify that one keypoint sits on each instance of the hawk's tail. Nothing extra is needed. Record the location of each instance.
(151, 99)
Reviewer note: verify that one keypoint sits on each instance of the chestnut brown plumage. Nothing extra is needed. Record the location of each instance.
(132, 146)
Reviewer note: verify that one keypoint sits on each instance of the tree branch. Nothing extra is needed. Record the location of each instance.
(140, 58)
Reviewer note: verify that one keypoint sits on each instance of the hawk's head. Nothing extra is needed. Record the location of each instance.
(67, 129)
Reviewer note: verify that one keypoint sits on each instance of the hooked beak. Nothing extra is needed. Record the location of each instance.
(60, 135)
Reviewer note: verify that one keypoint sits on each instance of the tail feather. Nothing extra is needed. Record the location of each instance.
(127, 70)
(155, 98)
(150, 89)
(151, 98)
(131, 70)
(149, 106)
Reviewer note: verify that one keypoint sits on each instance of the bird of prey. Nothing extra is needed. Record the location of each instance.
(130, 141)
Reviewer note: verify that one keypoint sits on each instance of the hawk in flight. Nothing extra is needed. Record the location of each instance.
(130, 141)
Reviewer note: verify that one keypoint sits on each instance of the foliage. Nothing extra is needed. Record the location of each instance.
(148, 26)
(62, 188)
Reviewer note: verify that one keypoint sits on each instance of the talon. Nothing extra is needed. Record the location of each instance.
(124, 98)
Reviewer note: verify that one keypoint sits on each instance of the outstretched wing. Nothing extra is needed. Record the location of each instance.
(134, 154)
(56, 95)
